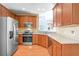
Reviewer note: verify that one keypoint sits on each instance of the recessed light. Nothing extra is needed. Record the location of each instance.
(43, 9)
(23, 8)
(38, 9)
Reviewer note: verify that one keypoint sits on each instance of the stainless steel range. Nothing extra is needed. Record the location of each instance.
(27, 38)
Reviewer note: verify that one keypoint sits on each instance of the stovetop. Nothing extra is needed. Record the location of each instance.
(27, 33)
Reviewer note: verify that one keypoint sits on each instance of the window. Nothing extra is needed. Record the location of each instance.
(46, 21)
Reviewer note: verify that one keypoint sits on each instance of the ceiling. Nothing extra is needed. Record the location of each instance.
(29, 8)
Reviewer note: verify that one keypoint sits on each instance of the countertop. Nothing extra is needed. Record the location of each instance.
(59, 38)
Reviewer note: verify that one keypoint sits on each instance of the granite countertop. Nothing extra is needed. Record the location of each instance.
(60, 38)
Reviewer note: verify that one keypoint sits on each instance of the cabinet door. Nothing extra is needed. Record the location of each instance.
(58, 49)
(59, 14)
(54, 49)
(50, 46)
(34, 22)
(22, 20)
(39, 39)
(45, 41)
(75, 13)
(50, 50)
(0, 10)
(67, 14)
(54, 17)
(20, 39)
(35, 39)
(70, 50)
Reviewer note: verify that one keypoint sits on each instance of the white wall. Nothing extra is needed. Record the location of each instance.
(67, 32)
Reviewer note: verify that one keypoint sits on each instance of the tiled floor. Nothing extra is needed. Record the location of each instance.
(33, 50)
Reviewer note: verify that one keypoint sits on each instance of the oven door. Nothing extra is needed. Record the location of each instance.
(27, 38)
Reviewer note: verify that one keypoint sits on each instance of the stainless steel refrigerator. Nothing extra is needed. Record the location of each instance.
(8, 36)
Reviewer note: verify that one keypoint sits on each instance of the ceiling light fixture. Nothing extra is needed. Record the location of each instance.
(43, 9)
(23, 8)
(38, 9)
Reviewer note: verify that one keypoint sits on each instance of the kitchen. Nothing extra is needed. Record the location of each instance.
(39, 29)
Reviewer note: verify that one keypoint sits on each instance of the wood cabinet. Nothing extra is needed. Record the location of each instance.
(41, 40)
(20, 39)
(5, 12)
(45, 41)
(50, 50)
(75, 13)
(66, 14)
(50, 46)
(54, 17)
(35, 39)
(0, 11)
(56, 48)
(23, 19)
(58, 15)
(70, 50)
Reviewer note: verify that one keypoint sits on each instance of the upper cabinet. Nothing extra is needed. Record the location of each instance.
(54, 17)
(5, 12)
(75, 13)
(58, 15)
(23, 19)
(66, 14)
(0, 10)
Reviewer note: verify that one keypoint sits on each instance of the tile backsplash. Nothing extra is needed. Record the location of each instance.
(70, 32)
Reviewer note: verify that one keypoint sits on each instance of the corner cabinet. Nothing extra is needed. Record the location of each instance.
(54, 48)
(58, 49)
(66, 14)
(38, 39)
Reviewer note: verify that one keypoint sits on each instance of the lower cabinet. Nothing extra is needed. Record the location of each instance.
(41, 40)
(70, 49)
(35, 39)
(20, 38)
(50, 50)
(55, 48)
(44, 41)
